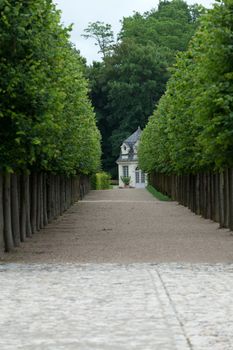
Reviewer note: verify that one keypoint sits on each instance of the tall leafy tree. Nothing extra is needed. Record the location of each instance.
(46, 119)
(126, 86)
(193, 120)
(103, 35)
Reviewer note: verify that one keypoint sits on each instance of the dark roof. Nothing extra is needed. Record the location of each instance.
(130, 141)
(128, 159)
(134, 137)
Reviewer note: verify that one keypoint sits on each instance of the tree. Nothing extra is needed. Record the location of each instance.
(103, 35)
(126, 86)
(191, 129)
(46, 118)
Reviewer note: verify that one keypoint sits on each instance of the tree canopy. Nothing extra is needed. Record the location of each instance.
(103, 35)
(192, 127)
(46, 119)
(126, 86)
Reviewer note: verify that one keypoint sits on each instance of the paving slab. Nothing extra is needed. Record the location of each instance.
(116, 307)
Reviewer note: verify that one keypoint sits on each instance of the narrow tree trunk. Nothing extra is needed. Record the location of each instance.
(201, 193)
(23, 208)
(28, 205)
(9, 243)
(176, 188)
(53, 212)
(41, 213)
(187, 191)
(45, 200)
(15, 209)
(226, 199)
(38, 202)
(208, 197)
(198, 194)
(58, 195)
(34, 202)
(221, 188)
(217, 194)
(193, 193)
(77, 188)
(63, 196)
(2, 245)
(231, 198)
(49, 196)
(212, 196)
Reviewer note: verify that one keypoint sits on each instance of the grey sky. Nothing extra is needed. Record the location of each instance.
(81, 12)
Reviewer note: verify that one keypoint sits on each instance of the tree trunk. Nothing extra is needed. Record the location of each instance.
(231, 198)
(208, 197)
(34, 202)
(212, 196)
(45, 216)
(221, 195)
(38, 202)
(27, 197)
(62, 195)
(198, 194)
(217, 198)
(2, 245)
(41, 212)
(53, 213)
(226, 199)
(23, 208)
(15, 209)
(9, 243)
(49, 196)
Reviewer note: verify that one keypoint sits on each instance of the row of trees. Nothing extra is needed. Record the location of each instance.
(46, 119)
(48, 131)
(191, 129)
(132, 77)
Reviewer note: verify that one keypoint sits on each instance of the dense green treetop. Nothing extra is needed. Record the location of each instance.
(171, 25)
(126, 86)
(192, 127)
(46, 119)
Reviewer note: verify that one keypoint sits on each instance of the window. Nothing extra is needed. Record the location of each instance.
(125, 170)
(137, 176)
(142, 177)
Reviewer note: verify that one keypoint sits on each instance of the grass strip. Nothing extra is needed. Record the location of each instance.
(157, 194)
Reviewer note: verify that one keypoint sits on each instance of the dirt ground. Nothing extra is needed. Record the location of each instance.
(126, 226)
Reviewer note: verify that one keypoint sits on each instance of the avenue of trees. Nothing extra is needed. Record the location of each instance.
(191, 130)
(130, 80)
(48, 131)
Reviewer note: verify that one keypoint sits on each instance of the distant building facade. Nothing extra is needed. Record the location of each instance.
(128, 162)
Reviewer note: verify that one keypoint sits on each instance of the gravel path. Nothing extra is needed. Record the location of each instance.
(120, 271)
(127, 226)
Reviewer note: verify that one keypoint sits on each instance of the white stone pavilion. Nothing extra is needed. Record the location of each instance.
(128, 162)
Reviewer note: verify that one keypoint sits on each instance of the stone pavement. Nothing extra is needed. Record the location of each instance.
(120, 271)
(116, 307)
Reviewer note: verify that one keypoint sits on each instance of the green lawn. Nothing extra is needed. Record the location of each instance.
(157, 194)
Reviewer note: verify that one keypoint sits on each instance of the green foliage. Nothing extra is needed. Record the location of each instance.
(126, 180)
(191, 129)
(127, 85)
(101, 181)
(157, 194)
(102, 34)
(46, 119)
